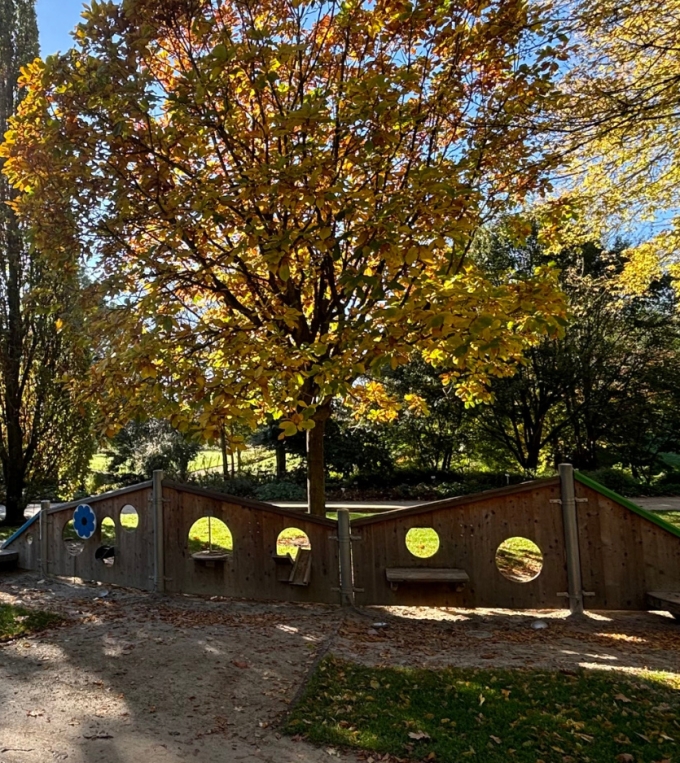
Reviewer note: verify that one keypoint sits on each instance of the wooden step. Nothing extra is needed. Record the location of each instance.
(665, 601)
(302, 568)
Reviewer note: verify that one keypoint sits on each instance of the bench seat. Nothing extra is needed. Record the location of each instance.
(397, 575)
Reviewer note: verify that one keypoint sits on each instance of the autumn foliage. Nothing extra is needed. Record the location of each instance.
(278, 195)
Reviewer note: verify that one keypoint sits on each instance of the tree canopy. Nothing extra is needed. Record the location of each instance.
(280, 195)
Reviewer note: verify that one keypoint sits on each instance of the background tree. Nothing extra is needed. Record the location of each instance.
(614, 370)
(142, 447)
(45, 442)
(618, 127)
(282, 195)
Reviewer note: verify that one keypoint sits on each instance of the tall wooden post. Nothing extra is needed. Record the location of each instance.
(44, 507)
(158, 533)
(345, 554)
(571, 539)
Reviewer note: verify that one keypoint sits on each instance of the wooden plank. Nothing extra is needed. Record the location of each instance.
(302, 568)
(419, 575)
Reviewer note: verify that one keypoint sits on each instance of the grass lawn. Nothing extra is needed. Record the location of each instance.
(672, 517)
(17, 621)
(491, 715)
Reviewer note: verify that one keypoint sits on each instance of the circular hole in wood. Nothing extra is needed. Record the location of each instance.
(74, 545)
(519, 559)
(108, 531)
(129, 518)
(291, 540)
(422, 542)
(210, 536)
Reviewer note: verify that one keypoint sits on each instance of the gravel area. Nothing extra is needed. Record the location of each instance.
(138, 678)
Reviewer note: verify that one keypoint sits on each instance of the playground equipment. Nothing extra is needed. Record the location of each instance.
(596, 547)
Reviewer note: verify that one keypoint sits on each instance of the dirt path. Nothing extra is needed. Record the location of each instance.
(137, 678)
(140, 679)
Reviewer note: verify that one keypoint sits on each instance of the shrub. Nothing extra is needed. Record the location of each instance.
(280, 491)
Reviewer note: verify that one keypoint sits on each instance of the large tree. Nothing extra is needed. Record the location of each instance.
(281, 194)
(44, 440)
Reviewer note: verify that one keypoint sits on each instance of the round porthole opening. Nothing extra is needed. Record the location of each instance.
(129, 518)
(422, 542)
(74, 546)
(290, 541)
(519, 559)
(209, 538)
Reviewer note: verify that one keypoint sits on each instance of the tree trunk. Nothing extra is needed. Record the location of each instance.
(14, 500)
(316, 467)
(225, 461)
(280, 461)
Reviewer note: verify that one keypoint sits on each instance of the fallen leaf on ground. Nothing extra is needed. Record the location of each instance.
(418, 735)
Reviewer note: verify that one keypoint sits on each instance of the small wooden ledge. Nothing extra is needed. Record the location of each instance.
(211, 558)
(665, 601)
(424, 575)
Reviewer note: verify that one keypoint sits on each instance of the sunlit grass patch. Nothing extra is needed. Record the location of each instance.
(422, 542)
(491, 715)
(290, 541)
(519, 559)
(17, 621)
(209, 533)
(673, 517)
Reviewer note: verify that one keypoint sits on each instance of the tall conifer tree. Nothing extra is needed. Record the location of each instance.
(43, 439)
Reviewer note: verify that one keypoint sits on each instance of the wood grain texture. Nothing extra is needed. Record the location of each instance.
(623, 555)
(251, 571)
(133, 564)
(470, 531)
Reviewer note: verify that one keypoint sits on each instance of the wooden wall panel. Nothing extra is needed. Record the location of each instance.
(470, 530)
(133, 565)
(28, 546)
(251, 571)
(623, 555)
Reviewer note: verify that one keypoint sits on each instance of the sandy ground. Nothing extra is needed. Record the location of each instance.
(137, 678)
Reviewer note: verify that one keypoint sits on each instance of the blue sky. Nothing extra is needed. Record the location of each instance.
(56, 18)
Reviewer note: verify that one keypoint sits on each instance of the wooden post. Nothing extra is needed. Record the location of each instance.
(44, 506)
(345, 555)
(571, 539)
(158, 534)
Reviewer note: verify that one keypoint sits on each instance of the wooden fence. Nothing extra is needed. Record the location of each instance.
(593, 544)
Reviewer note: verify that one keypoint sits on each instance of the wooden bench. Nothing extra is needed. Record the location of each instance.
(665, 601)
(424, 575)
